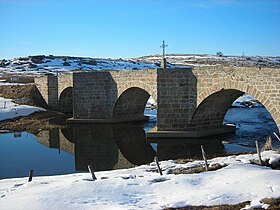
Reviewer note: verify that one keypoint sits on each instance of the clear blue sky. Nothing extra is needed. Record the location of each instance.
(131, 28)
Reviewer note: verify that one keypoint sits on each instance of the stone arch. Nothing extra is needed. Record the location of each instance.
(242, 87)
(130, 105)
(211, 112)
(152, 91)
(66, 100)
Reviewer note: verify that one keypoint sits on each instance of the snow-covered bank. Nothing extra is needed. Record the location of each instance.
(10, 110)
(143, 188)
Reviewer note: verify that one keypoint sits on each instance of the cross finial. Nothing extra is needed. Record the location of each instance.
(163, 46)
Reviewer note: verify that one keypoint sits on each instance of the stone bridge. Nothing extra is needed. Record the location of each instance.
(191, 99)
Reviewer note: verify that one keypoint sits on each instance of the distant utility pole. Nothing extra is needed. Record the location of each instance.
(163, 62)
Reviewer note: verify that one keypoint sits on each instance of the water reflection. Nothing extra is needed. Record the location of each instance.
(118, 146)
(108, 147)
(188, 148)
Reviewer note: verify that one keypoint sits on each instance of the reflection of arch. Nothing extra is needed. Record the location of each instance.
(131, 104)
(66, 100)
(68, 133)
(242, 87)
(131, 142)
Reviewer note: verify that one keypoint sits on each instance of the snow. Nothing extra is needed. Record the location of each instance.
(2, 83)
(151, 102)
(143, 188)
(10, 110)
(246, 101)
(55, 64)
(212, 60)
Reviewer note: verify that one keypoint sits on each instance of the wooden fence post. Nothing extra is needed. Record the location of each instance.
(30, 176)
(204, 158)
(258, 151)
(159, 169)
(92, 172)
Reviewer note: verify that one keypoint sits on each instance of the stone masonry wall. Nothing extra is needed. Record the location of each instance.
(51, 87)
(96, 93)
(64, 81)
(176, 98)
(261, 83)
(144, 79)
(42, 85)
(48, 88)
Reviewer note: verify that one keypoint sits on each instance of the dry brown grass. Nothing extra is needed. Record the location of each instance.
(273, 202)
(217, 207)
(268, 144)
(35, 122)
(195, 169)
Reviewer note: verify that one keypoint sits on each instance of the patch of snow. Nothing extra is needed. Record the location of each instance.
(143, 188)
(246, 101)
(151, 103)
(12, 83)
(10, 110)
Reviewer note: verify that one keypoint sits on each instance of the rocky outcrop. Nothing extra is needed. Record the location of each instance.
(37, 59)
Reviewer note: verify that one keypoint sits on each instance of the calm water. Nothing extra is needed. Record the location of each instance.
(108, 147)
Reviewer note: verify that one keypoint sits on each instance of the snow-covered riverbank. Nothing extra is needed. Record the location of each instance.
(10, 110)
(143, 188)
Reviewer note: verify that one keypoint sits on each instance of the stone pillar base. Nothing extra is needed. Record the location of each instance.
(105, 121)
(155, 134)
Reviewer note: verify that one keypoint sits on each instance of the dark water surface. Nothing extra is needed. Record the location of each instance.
(117, 146)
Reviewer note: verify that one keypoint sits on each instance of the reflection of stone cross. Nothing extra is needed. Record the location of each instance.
(163, 46)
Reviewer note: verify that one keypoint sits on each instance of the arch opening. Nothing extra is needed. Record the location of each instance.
(66, 101)
(131, 104)
(212, 110)
(151, 112)
(253, 121)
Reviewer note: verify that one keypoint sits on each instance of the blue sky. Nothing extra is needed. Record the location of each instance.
(131, 28)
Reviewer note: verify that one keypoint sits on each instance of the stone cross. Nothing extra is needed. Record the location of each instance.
(163, 46)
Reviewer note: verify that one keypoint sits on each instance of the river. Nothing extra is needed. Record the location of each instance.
(108, 147)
